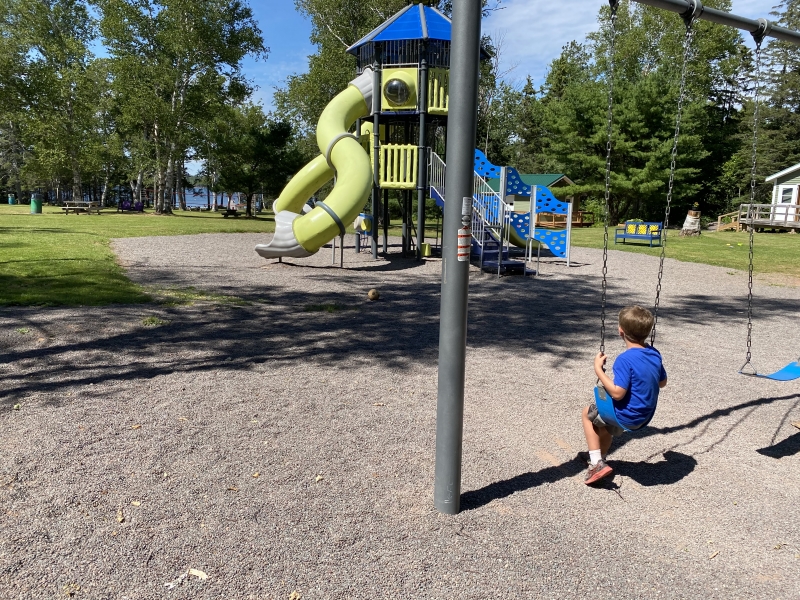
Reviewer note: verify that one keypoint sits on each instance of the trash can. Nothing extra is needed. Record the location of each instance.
(11, 199)
(36, 204)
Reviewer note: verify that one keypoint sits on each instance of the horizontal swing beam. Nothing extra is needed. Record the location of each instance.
(759, 28)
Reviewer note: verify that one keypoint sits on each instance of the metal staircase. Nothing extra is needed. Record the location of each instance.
(491, 220)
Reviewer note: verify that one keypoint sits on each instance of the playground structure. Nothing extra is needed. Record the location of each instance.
(403, 85)
(399, 106)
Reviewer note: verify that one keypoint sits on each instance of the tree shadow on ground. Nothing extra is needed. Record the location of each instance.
(400, 332)
(675, 466)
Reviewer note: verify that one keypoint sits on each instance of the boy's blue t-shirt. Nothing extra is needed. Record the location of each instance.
(638, 370)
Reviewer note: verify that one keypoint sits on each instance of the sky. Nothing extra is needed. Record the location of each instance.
(534, 32)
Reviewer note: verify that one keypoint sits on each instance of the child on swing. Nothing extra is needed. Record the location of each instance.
(638, 376)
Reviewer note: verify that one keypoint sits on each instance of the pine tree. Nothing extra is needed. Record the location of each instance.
(566, 123)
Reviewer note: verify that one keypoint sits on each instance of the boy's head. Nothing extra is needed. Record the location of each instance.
(636, 323)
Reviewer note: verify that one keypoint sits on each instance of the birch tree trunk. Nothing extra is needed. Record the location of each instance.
(138, 190)
(104, 196)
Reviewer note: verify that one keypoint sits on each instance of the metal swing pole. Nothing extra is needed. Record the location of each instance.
(465, 49)
(757, 27)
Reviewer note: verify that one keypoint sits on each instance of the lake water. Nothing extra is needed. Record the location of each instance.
(197, 197)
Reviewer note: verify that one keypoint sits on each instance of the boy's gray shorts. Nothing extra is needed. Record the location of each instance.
(596, 419)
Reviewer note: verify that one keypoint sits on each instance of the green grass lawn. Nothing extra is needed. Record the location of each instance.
(56, 259)
(773, 252)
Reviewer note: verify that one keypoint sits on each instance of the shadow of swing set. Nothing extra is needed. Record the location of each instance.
(675, 466)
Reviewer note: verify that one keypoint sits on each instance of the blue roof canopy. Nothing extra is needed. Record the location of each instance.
(414, 22)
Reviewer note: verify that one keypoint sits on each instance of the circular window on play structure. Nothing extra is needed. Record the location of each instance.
(396, 91)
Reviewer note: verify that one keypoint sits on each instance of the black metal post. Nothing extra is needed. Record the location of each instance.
(404, 228)
(422, 169)
(376, 147)
(465, 49)
(385, 221)
(406, 200)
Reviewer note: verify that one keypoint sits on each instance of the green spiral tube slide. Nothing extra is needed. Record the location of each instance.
(299, 233)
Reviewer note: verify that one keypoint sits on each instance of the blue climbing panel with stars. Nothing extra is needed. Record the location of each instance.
(546, 202)
(554, 239)
(483, 167)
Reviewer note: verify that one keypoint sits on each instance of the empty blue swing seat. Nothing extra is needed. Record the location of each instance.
(788, 373)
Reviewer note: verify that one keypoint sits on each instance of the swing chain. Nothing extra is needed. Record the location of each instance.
(750, 210)
(604, 285)
(687, 46)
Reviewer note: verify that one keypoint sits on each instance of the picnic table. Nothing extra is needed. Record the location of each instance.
(81, 206)
(234, 211)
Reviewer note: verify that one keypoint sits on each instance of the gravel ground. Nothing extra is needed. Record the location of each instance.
(283, 444)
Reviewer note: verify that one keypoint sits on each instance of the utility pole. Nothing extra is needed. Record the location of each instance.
(461, 131)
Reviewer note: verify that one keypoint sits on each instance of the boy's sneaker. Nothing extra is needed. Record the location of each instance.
(596, 472)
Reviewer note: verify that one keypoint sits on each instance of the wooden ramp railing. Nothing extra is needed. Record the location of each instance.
(729, 221)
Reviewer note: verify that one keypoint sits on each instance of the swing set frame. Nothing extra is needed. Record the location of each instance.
(690, 11)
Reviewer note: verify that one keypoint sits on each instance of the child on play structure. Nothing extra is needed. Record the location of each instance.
(638, 377)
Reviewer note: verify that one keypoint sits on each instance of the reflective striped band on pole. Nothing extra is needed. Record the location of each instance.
(464, 244)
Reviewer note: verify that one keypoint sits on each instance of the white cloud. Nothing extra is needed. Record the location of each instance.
(535, 32)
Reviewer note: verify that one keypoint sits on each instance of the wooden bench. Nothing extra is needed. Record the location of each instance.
(79, 207)
(230, 211)
(648, 231)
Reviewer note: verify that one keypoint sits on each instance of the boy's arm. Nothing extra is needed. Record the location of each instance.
(662, 384)
(616, 392)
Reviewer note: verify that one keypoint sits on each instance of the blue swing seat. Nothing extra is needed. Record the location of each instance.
(605, 407)
(788, 373)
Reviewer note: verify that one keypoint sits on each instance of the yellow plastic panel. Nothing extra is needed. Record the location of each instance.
(398, 167)
(438, 91)
(366, 136)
